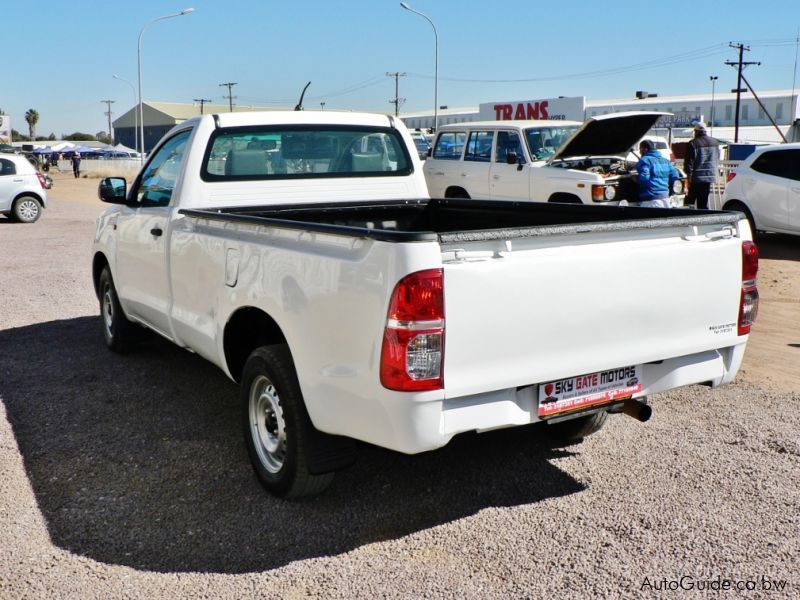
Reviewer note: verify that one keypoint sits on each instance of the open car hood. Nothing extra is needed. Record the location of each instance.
(608, 135)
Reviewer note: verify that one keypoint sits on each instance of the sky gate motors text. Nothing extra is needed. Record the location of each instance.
(588, 381)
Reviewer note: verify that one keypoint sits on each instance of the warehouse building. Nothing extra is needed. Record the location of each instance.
(717, 110)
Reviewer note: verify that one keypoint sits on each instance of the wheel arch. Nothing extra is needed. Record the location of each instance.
(247, 329)
(456, 191)
(565, 198)
(736, 204)
(99, 262)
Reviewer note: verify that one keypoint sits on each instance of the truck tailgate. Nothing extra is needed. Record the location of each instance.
(531, 310)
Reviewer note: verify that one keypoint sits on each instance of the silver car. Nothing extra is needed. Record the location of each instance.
(766, 188)
(23, 192)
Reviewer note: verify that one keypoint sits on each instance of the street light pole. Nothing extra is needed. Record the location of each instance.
(185, 11)
(436, 65)
(713, 79)
(135, 113)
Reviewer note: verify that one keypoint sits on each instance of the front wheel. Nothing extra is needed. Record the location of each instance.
(27, 209)
(277, 429)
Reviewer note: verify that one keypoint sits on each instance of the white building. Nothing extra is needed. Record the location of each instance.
(718, 112)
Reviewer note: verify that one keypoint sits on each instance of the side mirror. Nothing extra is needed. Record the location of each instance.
(511, 158)
(430, 151)
(113, 190)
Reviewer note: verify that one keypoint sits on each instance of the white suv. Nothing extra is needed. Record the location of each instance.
(766, 188)
(22, 189)
(540, 161)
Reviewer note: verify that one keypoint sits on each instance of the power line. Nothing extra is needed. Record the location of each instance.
(108, 114)
(740, 64)
(397, 100)
(202, 101)
(230, 95)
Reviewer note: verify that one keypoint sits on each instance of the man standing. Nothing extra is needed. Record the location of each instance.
(76, 164)
(655, 175)
(700, 164)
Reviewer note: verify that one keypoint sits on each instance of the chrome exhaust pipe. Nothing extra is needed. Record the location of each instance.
(637, 409)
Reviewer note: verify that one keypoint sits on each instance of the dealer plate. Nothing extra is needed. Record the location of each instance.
(585, 391)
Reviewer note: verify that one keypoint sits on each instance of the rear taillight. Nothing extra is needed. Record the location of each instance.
(730, 176)
(413, 341)
(42, 182)
(748, 303)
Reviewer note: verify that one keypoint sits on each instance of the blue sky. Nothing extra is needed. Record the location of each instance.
(487, 51)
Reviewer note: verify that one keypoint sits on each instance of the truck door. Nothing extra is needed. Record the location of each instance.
(474, 176)
(509, 181)
(142, 242)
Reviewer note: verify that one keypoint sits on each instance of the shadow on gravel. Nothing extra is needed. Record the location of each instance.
(778, 246)
(139, 461)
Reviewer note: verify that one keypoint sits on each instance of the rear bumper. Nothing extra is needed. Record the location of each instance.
(418, 425)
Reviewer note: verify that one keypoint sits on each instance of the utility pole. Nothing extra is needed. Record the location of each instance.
(230, 95)
(108, 114)
(397, 100)
(740, 64)
(202, 101)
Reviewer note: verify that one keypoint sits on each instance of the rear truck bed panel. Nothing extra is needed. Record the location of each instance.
(509, 281)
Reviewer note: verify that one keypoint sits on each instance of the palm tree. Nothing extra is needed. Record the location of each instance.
(32, 118)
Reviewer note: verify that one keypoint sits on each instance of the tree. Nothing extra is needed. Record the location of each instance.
(102, 136)
(51, 137)
(79, 137)
(32, 118)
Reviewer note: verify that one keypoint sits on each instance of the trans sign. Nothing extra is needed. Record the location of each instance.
(569, 109)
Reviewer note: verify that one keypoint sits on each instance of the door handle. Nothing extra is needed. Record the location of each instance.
(156, 231)
(495, 176)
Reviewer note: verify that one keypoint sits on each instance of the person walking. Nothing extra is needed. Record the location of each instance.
(76, 164)
(701, 164)
(655, 176)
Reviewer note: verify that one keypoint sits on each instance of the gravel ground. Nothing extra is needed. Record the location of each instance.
(126, 477)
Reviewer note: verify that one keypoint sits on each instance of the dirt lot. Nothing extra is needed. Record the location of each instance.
(127, 476)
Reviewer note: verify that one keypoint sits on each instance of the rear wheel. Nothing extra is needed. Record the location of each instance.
(574, 430)
(27, 209)
(118, 331)
(277, 429)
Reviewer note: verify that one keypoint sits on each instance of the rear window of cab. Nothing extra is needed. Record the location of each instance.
(304, 152)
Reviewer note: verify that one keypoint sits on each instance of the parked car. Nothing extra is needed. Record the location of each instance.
(766, 188)
(661, 144)
(23, 189)
(421, 142)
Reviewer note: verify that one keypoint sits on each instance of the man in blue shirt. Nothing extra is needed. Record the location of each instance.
(656, 175)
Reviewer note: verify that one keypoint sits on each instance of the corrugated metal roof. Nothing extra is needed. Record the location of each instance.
(172, 113)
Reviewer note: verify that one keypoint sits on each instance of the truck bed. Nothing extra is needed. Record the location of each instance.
(457, 220)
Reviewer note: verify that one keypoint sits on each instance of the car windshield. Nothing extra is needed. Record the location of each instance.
(544, 141)
(305, 152)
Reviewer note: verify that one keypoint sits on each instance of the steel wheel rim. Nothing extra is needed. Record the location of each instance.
(28, 209)
(108, 310)
(267, 425)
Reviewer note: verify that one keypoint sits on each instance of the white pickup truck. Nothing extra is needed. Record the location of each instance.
(299, 252)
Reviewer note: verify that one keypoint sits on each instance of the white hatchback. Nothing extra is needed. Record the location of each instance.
(23, 192)
(766, 188)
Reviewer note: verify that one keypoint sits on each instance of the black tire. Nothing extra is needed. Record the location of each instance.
(118, 331)
(574, 430)
(565, 198)
(277, 430)
(27, 209)
(457, 193)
